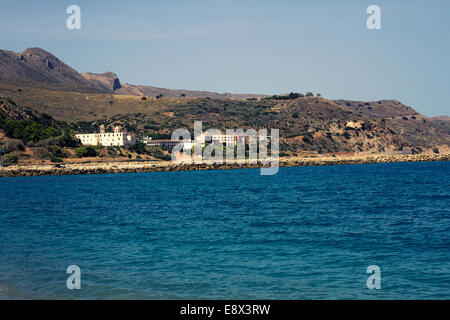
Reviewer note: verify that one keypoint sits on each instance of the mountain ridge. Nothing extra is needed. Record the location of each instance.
(38, 65)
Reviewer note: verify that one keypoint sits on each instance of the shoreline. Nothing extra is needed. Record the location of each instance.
(165, 166)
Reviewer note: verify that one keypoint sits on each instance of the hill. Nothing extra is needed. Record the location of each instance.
(36, 67)
(40, 82)
(311, 124)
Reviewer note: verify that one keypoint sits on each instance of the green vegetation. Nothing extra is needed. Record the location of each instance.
(27, 130)
(158, 153)
(56, 159)
(12, 145)
(139, 148)
(55, 152)
(11, 158)
(36, 130)
(111, 150)
(85, 152)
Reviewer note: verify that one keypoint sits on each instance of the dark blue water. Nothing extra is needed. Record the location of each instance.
(305, 233)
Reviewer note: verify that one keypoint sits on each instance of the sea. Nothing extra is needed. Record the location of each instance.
(304, 233)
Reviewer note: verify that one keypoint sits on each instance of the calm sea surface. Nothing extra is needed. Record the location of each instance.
(305, 233)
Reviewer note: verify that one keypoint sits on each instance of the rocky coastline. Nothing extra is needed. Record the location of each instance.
(164, 166)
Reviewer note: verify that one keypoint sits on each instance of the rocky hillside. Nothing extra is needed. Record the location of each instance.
(107, 81)
(414, 127)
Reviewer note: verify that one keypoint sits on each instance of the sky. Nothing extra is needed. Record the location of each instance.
(251, 46)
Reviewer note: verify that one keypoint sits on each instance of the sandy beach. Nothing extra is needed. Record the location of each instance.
(96, 167)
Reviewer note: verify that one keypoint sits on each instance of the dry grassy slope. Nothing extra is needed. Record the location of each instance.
(379, 109)
(441, 118)
(174, 93)
(109, 81)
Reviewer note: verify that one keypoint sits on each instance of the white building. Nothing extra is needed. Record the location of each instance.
(116, 138)
(167, 144)
(230, 139)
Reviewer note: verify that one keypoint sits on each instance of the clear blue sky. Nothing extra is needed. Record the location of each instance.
(251, 46)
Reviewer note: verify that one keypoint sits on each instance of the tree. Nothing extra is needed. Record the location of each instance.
(80, 151)
(52, 132)
(85, 152)
(309, 94)
(66, 140)
(293, 95)
(139, 147)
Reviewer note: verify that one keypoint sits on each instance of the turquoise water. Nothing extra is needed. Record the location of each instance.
(305, 233)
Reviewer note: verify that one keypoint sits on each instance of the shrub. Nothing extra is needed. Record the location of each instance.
(56, 159)
(80, 151)
(435, 150)
(65, 140)
(55, 152)
(138, 147)
(306, 139)
(112, 151)
(12, 145)
(158, 153)
(10, 158)
(85, 152)
(309, 94)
